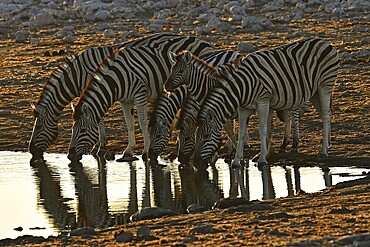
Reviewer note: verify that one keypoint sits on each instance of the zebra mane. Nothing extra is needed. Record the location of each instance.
(57, 73)
(199, 61)
(91, 83)
(228, 68)
(109, 57)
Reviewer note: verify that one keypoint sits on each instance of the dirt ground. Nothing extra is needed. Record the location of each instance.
(313, 219)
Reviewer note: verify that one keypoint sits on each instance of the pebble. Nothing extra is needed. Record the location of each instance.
(202, 30)
(124, 237)
(18, 229)
(83, 231)
(4, 112)
(109, 33)
(189, 239)
(205, 229)
(42, 19)
(21, 36)
(143, 231)
(195, 208)
(151, 213)
(246, 47)
(68, 39)
(155, 27)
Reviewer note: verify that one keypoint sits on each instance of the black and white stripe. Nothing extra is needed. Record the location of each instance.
(167, 107)
(67, 83)
(283, 78)
(132, 76)
(162, 117)
(195, 73)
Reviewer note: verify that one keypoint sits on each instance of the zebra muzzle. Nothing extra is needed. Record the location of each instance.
(37, 153)
(73, 156)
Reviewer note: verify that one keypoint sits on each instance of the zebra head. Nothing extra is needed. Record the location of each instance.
(186, 140)
(179, 71)
(159, 136)
(84, 132)
(44, 133)
(187, 124)
(208, 138)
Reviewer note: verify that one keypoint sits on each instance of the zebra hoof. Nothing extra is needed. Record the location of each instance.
(228, 160)
(127, 158)
(145, 157)
(294, 151)
(109, 155)
(236, 165)
(262, 163)
(153, 162)
(322, 156)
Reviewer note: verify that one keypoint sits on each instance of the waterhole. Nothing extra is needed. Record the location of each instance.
(47, 199)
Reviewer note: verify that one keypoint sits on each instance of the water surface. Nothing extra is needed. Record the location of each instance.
(47, 199)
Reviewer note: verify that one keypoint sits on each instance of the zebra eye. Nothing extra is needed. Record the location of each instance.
(83, 130)
(207, 136)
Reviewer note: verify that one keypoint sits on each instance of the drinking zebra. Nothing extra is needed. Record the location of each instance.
(67, 83)
(132, 75)
(282, 78)
(167, 107)
(196, 74)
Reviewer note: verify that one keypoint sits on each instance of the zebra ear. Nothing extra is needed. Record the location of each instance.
(39, 109)
(187, 57)
(33, 106)
(173, 57)
(85, 111)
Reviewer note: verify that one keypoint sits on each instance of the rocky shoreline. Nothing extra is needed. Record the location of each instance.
(338, 216)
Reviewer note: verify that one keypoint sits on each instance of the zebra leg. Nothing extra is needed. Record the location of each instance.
(287, 132)
(128, 111)
(100, 146)
(295, 130)
(102, 139)
(322, 105)
(229, 128)
(142, 112)
(244, 114)
(325, 100)
(269, 131)
(263, 117)
(231, 142)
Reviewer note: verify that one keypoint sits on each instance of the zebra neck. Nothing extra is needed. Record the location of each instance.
(203, 79)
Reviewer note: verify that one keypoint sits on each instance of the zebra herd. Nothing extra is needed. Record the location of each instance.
(210, 89)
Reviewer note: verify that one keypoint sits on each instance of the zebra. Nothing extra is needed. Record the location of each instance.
(167, 107)
(280, 78)
(161, 119)
(194, 72)
(66, 83)
(133, 75)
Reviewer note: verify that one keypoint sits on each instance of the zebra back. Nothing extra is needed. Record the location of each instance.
(131, 69)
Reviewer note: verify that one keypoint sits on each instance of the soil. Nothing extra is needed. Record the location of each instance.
(305, 219)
